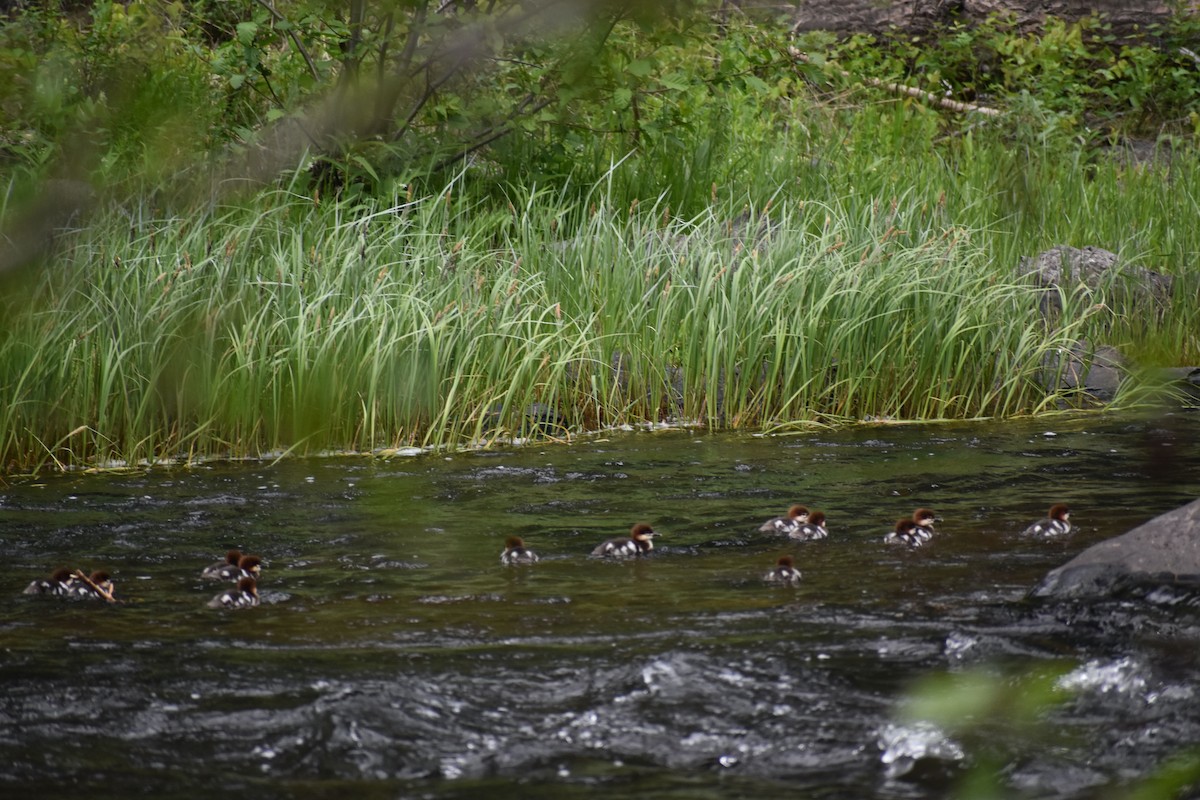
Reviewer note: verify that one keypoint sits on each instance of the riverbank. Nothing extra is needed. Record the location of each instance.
(292, 325)
(810, 250)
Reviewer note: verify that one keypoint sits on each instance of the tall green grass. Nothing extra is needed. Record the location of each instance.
(860, 267)
(436, 321)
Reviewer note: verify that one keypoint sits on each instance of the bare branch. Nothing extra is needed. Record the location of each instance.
(99, 590)
(489, 136)
(911, 91)
(312, 68)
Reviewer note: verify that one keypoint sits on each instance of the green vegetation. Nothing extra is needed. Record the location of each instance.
(701, 228)
(973, 706)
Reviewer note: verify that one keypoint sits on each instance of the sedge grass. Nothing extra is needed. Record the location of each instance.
(856, 263)
(298, 328)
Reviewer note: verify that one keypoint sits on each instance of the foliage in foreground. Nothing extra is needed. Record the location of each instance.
(988, 717)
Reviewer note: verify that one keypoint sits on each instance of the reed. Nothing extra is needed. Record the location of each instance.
(862, 268)
(302, 328)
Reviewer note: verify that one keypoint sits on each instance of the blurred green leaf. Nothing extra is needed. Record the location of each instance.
(246, 31)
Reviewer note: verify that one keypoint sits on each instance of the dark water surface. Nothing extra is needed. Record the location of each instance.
(394, 657)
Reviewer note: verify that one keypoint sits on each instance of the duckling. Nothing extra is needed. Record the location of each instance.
(637, 543)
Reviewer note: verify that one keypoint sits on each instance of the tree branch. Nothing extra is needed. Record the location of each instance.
(911, 91)
(312, 68)
(489, 136)
(99, 590)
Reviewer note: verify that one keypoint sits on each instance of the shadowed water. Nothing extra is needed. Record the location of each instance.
(393, 656)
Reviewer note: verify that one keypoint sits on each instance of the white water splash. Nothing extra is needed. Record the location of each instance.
(904, 745)
(958, 645)
(1123, 676)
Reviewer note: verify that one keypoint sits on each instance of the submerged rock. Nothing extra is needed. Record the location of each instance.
(1163, 551)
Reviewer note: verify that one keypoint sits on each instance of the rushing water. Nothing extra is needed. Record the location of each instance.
(393, 656)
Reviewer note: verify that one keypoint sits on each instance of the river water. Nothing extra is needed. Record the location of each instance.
(393, 656)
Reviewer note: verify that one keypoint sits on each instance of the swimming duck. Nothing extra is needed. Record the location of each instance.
(812, 530)
(223, 570)
(97, 586)
(637, 543)
(906, 532)
(796, 516)
(249, 567)
(1056, 523)
(785, 572)
(59, 584)
(924, 519)
(244, 595)
(515, 552)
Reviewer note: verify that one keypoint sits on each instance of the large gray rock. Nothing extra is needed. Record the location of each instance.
(1095, 270)
(1092, 371)
(1165, 550)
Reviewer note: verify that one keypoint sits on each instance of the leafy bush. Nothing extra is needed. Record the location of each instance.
(142, 88)
(115, 94)
(1075, 70)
